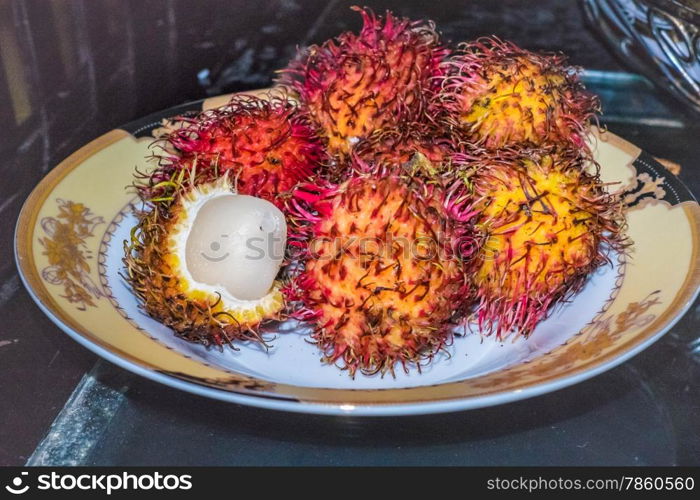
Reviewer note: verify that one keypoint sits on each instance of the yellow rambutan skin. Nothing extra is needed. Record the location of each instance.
(497, 95)
(542, 239)
(518, 102)
(547, 222)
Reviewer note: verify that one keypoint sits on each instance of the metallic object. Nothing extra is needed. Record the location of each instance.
(659, 38)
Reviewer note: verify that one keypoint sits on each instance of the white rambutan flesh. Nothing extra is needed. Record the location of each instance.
(237, 242)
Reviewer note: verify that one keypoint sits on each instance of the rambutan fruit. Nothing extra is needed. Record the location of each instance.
(497, 95)
(191, 265)
(352, 85)
(424, 146)
(548, 223)
(382, 280)
(265, 143)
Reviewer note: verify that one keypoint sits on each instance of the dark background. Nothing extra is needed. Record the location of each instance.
(72, 70)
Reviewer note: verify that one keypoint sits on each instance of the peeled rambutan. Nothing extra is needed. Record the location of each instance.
(382, 280)
(352, 85)
(189, 263)
(548, 223)
(497, 95)
(265, 143)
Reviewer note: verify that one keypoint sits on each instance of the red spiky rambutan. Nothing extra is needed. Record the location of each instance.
(352, 85)
(382, 280)
(497, 95)
(265, 143)
(548, 222)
